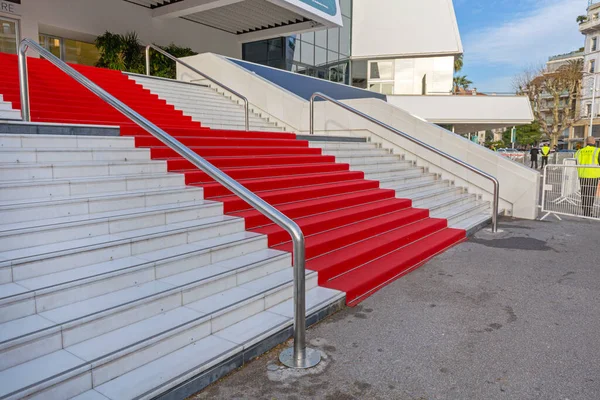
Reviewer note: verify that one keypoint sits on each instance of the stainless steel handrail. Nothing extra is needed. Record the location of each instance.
(300, 358)
(416, 141)
(177, 60)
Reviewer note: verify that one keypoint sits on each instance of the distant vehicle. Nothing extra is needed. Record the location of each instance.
(511, 153)
(567, 151)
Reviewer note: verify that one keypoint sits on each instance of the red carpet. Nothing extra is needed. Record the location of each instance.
(358, 237)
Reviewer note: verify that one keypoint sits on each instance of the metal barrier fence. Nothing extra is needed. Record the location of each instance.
(567, 191)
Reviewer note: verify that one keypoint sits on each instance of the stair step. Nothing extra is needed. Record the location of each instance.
(178, 366)
(34, 171)
(364, 280)
(65, 141)
(39, 155)
(28, 210)
(84, 318)
(30, 262)
(46, 231)
(66, 187)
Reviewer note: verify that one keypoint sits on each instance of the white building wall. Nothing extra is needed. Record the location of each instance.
(404, 28)
(438, 73)
(86, 19)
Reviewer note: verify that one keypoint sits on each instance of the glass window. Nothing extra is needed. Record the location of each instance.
(9, 35)
(333, 40)
(320, 56)
(592, 66)
(321, 38)
(275, 49)
(359, 74)
(383, 88)
(308, 37)
(345, 34)
(256, 51)
(77, 52)
(346, 6)
(307, 53)
(383, 70)
(594, 43)
(52, 44)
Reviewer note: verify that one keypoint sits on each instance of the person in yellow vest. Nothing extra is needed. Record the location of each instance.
(545, 154)
(588, 177)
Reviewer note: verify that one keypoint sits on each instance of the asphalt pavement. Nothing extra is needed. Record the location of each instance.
(514, 315)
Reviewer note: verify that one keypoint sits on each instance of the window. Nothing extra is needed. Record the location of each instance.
(594, 43)
(588, 109)
(69, 50)
(592, 68)
(9, 35)
(381, 76)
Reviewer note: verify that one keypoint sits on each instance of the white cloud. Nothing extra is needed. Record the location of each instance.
(530, 38)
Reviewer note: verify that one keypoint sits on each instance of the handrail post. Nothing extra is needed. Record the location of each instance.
(299, 355)
(496, 183)
(147, 60)
(177, 60)
(24, 83)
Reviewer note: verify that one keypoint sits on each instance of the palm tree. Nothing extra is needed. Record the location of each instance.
(461, 82)
(458, 63)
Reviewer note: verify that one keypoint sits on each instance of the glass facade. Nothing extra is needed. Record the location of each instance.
(322, 54)
(69, 50)
(9, 35)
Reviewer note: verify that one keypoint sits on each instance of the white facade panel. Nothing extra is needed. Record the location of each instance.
(404, 28)
(86, 19)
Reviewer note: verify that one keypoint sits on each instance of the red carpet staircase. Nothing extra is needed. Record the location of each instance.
(359, 237)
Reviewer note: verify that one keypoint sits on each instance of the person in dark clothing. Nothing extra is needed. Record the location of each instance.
(534, 157)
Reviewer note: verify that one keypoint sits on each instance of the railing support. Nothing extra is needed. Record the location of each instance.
(495, 182)
(177, 60)
(300, 355)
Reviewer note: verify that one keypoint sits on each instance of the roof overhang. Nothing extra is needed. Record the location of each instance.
(246, 18)
(468, 113)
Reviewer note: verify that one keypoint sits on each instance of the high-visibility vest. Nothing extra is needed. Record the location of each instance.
(545, 151)
(588, 156)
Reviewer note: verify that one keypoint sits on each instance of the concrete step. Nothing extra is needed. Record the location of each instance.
(62, 142)
(418, 189)
(43, 231)
(51, 188)
(112, 354)
(357, 153)
(115, 302)
(367, 161)
(90, 205)
(60, 170)
(193, 359)
(45, 155)
(343, 145)
(30, 262)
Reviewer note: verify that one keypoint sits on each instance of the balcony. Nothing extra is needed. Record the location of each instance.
(590, 25)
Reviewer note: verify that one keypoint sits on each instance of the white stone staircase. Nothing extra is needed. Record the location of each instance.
(117, 281)
(7, 112)
(205, 105)
(425, 189)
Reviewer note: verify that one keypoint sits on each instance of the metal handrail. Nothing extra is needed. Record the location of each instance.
(416, 141)
(177, 60)
(299, 350)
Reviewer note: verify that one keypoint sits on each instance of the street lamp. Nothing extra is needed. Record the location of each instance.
(593, 104)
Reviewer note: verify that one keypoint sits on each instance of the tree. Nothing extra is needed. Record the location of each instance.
(527, 135)
(554, 96)
(581, 19)
(458, 63)
(461, 82)
(120, 52)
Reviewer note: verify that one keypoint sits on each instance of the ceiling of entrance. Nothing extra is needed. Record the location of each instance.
(239, 17)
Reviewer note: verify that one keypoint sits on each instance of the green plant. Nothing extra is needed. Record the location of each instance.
(581, 19)
(163, 66)
(120, 52)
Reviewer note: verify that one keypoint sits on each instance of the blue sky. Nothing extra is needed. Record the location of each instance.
(503, 37)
